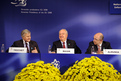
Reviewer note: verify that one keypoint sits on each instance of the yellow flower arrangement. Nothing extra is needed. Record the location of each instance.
(39, 72)
(91, 69)
(88, 69)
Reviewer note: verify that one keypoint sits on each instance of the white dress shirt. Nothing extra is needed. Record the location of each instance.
(27, 45)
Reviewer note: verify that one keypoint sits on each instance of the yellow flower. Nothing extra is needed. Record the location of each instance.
(91, 69)
(88, 69)
(39, 71)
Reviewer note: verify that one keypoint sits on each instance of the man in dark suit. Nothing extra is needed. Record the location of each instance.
(98, 44)
(64, 42)
(26, 41)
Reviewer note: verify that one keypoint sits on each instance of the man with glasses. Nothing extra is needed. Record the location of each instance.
(98, 44)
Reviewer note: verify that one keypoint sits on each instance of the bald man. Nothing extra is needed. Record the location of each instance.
(64, 42)
(98, 44)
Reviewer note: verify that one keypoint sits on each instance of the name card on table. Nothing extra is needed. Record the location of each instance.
(65, 50)
(112, 51)
(17, 50)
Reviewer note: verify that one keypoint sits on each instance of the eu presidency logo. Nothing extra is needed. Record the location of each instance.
(56, 63)
(19, 3)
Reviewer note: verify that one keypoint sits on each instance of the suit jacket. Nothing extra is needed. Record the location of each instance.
(70, 44)
(105, 45)
(32, 45)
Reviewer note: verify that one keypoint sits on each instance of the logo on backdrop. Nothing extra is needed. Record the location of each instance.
(56, 63)
(19, 3)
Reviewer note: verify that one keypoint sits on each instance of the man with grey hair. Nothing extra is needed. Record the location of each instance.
(64, 42)
(32, 46)
(98, 44)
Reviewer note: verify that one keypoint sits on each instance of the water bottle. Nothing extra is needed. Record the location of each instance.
(93, 50)
(2, 48)
(49, 49)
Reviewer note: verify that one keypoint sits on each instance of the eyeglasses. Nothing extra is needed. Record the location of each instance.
(96, 39)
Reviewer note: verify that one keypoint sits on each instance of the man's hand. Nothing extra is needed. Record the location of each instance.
(35, 50)
(53, 52)
(101, 52)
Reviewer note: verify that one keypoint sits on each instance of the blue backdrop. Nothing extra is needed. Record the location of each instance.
(44, 18)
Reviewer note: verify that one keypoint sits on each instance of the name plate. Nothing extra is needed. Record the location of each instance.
(65, 50)
(17, 50)
(112, 51)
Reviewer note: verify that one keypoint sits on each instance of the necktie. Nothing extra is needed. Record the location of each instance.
(27, 48)
(63, 44)
(99, 50)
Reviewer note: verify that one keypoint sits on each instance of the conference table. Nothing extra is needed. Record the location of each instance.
(12, 63)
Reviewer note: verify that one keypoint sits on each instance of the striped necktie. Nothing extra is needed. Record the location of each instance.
(27, 48)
